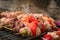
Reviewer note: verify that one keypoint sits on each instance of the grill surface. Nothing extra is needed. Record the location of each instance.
(9, 35)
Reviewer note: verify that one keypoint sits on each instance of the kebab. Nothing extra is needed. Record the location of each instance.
(23, 25)
(52, 35)
(18, 26)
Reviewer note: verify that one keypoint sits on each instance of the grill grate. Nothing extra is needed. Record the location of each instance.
(9, 35)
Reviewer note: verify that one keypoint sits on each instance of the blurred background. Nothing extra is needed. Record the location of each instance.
(51, 7)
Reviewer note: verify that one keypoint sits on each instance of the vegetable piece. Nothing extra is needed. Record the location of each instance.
(32, 18)
(48, 37)
(33, 27)
(24, 32)
(58, 33)
(58, 29)
(57, 23)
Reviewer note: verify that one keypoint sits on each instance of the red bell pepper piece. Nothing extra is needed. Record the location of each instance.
(33, 27)
(43, 28)
(48, 37)
(32, 18)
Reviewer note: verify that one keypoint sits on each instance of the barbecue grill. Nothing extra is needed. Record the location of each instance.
(6, 34)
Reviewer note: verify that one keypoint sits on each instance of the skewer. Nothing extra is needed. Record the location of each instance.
(8, 28)
(17, 33)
